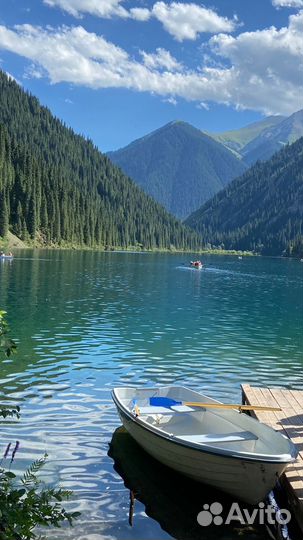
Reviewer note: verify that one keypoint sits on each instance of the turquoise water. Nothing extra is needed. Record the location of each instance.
(86, 322)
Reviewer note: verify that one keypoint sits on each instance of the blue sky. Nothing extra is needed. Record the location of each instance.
(115, 70)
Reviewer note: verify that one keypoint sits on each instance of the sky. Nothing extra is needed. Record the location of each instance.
(115, 70)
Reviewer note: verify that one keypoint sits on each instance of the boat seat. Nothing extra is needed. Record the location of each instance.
(183, 408)
(164, 410)
(211, 438)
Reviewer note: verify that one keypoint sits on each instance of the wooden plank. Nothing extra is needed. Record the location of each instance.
(289, 421)
(278, 420)
(282, 420)
(298, 395)
(252, 397)
(275, 417)
(294, 404)
(245, 390)
(280, 397)
(294, 494)
(295, 475)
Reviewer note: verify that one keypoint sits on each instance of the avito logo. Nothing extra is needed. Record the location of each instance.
(211, 514)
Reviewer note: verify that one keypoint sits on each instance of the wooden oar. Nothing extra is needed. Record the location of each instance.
(232, 406)
(158, 401)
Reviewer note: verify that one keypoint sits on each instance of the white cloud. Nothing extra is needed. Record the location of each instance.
(266, 65)
(288, 3)
(140, 14)
(98, 8)
(161, 59)
(34, 72)
(187, 21)
(182, 21)
(256, 70)
(170, 100)
(203, 105)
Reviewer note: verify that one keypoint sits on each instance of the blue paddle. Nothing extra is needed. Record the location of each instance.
(163, 402)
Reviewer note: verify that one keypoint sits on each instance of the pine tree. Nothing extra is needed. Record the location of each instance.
(32, 218)
(59, 185)
(3, 215)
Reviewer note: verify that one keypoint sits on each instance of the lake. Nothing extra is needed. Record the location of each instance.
(87, 321)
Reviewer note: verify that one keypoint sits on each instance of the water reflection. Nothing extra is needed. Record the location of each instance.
(170, 498)
(142, 316)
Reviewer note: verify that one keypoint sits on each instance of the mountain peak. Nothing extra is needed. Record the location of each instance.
(179, 165)
(260, 140)
(274, 138)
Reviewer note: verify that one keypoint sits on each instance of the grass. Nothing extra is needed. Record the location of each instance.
(12, 242)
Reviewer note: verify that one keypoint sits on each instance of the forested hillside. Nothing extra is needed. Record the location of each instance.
(262, 210)
(57, 187)
(178, 165)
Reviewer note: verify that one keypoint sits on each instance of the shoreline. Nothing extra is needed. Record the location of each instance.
(5, 246)
(12, 243)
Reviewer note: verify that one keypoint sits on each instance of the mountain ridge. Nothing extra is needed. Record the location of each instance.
(274, 138)
(260, 140)
(260, 211)
(179, 165)
(237, 139)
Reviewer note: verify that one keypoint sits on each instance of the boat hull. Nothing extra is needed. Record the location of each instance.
(245, 480)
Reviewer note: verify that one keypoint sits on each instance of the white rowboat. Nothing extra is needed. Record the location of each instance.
(230, 451)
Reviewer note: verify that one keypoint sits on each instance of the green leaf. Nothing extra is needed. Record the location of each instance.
(9, 474)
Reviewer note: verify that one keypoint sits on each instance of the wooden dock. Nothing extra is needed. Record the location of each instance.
(289, 421)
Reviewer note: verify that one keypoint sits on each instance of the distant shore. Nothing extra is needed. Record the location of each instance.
(12, 242)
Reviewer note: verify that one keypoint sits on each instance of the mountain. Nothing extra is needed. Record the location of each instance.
(55, 186)
(178, 165)
(274, 138)
(237, 139)
(259, 141)
(262, 210)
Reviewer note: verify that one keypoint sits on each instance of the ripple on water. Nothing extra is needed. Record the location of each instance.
(104, 320)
